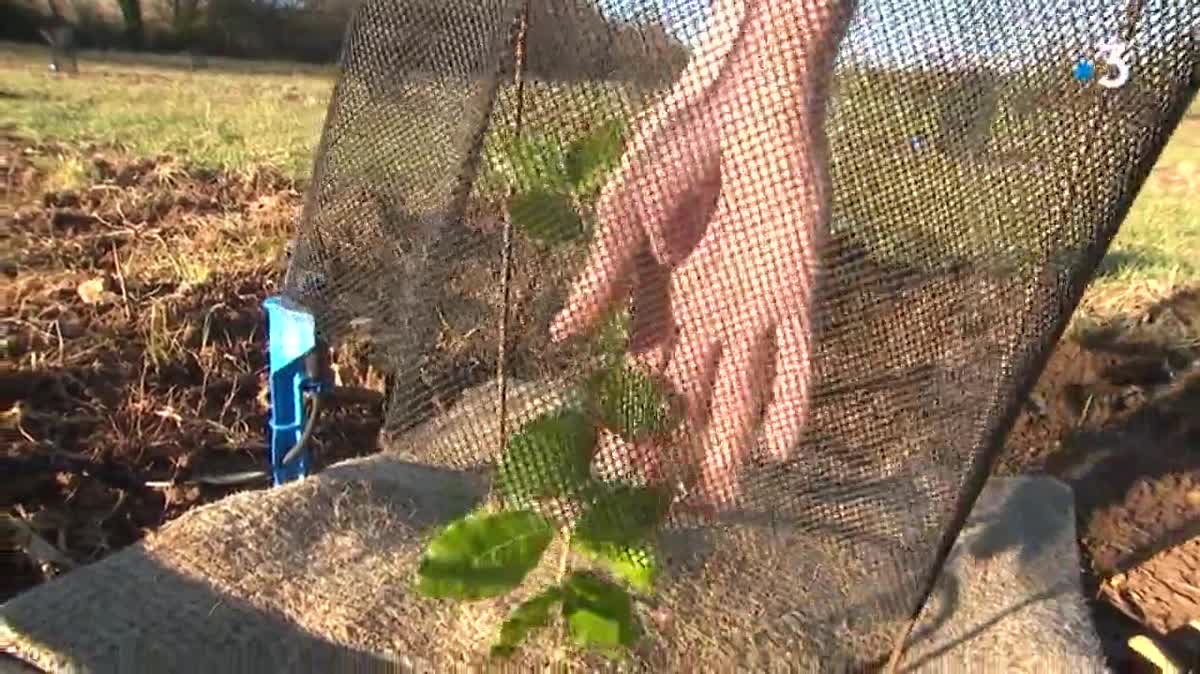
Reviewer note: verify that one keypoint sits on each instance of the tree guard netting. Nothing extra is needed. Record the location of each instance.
(782, 271)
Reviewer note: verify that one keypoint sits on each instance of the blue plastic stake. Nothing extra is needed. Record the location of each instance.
(292, 335)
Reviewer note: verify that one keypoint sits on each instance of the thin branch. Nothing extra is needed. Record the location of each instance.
(506, 263)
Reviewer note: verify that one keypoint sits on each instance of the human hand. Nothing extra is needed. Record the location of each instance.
(712, 223)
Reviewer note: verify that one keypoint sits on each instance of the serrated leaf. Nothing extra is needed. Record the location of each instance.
(638, 566)
(547, 217)
(629, 403)
(550, 456)
(622, 515)
(532, 162)
(599, 613)
(591, 158)
(483, 555)
(530, 616)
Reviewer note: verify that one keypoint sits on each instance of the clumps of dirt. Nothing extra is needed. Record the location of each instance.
(134, 342)
(1086, 387)
(1118, 418)
(1177, 569)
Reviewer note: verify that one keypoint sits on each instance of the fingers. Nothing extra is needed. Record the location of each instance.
(679, 211)
(650, 326)
(737, 397)
(653, 201)
(630, 204)
(689, 372)
(719, 366)
(789, 405)
(661, 193)
(619, 460)
(670, 170)
(604, 279)
(668, 185)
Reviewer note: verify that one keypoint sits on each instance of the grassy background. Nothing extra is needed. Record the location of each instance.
(237, 115)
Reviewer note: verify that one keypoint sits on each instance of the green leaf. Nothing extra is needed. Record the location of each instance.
(629, 403)
(531, 615)
(550, 456)
(638, 566)
(483, 555)
(613, 337)
(531, 162)
(547, 217)
(591, 158)
(622, 515)
(599, 613)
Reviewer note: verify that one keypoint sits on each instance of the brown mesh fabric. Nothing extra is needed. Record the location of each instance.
(853, 239)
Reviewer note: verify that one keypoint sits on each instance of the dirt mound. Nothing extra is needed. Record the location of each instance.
(1117, 418)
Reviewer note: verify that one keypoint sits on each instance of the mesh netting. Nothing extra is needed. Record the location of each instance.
(839, 245)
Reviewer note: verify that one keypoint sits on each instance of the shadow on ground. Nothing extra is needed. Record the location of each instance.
(1114, 415)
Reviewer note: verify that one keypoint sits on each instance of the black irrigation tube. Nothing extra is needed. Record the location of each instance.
(116, 476)
(126, 478)
(110, 474)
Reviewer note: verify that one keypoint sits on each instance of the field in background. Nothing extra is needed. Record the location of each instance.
(235, 115)
(238, 115)
(147, 206)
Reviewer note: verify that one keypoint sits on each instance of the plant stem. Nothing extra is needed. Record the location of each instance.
(562, 573)
(562, 562)
(506, 261)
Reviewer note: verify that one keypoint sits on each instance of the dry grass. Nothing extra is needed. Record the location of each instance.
(1157, 253)
(134, 335)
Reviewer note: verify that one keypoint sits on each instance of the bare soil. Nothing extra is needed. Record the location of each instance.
(1119, 419)
(159, 373)
(117, 353)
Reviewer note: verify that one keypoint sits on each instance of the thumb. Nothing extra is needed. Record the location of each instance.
(670, 178)
(638, 205)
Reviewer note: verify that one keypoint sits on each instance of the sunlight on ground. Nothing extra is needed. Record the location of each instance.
(138, 282)
(239, 114)
(220, 117)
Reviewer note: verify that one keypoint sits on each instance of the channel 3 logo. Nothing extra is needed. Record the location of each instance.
(1111, 55)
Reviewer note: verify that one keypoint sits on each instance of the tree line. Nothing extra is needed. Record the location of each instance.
(569, 38)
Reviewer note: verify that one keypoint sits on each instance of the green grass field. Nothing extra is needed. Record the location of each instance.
(236, 115)
(233, 115)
